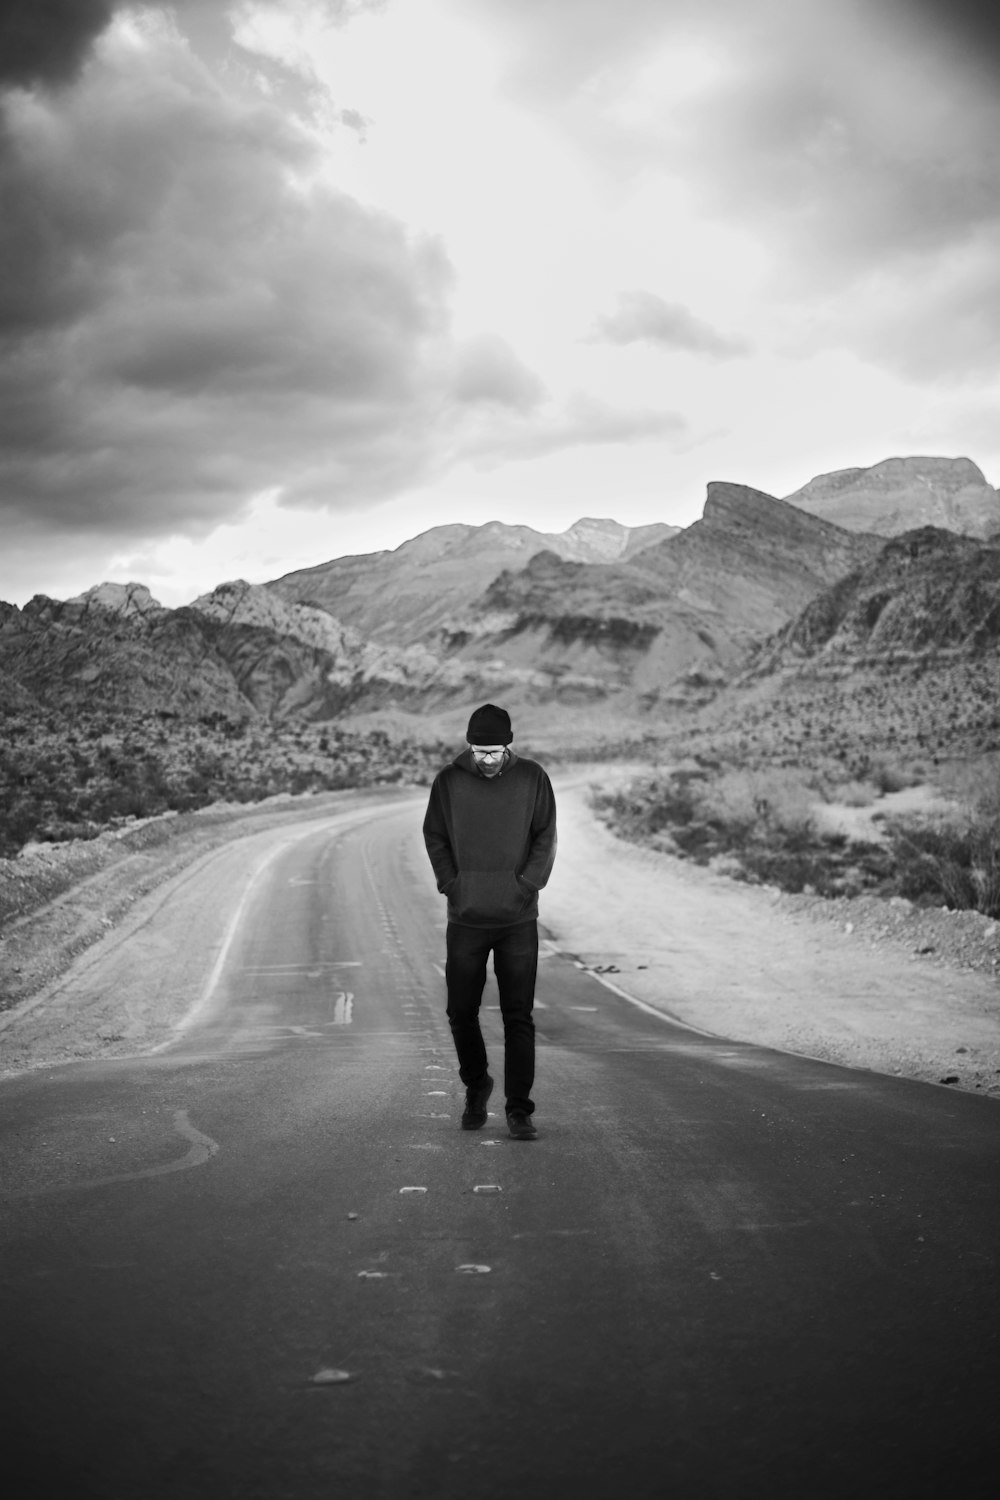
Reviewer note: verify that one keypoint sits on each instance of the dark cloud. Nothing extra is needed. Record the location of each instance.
(643, 317)
(46, 41)
(971, 25)
(183, 321)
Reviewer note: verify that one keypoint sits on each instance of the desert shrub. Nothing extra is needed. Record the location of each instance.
(745, 802)
(956, 864)
(975, 786)
(852, 793)
(649, 805)
(890, 778)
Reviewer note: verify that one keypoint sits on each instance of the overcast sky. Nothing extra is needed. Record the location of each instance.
(282, 281)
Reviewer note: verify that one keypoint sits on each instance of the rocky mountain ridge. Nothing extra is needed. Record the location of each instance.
(420, 588)
(903, 494)
(661, 625)
(898, 662)
(927, 594)
(668, 626)
(237, 652)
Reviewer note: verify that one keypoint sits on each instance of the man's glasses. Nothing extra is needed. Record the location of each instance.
(488, 754)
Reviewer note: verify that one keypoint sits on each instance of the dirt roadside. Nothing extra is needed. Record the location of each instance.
(867, 986)
(863, 982)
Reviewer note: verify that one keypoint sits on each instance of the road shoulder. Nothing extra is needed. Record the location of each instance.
(743, 962)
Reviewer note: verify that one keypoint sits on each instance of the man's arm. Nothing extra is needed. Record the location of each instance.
(436, 839)
(542, 854)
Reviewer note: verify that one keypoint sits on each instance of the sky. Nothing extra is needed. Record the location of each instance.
(288, 280)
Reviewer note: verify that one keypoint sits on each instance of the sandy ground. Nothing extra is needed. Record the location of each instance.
(742, 962)
(739, 961)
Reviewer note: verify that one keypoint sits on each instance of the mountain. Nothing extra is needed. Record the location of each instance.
(238, 652)
(927, 594)
(903, 494)
(654, 626)
(666, 626)
(118, 598)
(898, 660)
(637, 621)
(411, 593)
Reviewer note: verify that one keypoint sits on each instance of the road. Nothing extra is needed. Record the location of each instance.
(719, 1271)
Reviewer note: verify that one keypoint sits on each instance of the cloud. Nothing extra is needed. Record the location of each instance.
(582, 421)
(968, 25)
(643, 317)
(940, 325)
(188, 314)
(47, 41)
(855, 141)
(488, 372)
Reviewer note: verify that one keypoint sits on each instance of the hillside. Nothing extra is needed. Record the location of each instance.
(414, 592)
(899, 660)
(114, 708)
(903, 494)
(666, 627)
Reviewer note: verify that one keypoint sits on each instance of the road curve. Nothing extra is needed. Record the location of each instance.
(264, 1261)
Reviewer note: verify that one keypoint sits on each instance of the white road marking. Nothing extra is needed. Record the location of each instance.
(309, 969)
(201, 1150)
(331, 1377)
(616, 989)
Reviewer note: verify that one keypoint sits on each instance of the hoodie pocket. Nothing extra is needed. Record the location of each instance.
(490, 897)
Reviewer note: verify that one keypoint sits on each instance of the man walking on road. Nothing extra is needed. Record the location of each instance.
(490, 831)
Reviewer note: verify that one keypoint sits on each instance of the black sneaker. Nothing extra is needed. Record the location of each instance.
(474, 1114)
(520, 1126)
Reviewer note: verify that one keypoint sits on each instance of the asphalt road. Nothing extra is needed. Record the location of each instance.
(719, 1271)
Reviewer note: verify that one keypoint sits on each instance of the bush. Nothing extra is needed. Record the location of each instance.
(744, 802)
(957, 865)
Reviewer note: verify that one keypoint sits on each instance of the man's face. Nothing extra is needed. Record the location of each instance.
(489, 758)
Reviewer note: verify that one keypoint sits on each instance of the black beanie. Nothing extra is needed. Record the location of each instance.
(489, 725)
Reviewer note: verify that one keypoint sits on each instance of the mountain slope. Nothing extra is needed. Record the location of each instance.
(903, 494)
(927, 592)
(668, 625)
(411, 593)
(238, 652)
(898, 661)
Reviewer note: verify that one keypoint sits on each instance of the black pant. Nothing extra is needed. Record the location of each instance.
(515, 962)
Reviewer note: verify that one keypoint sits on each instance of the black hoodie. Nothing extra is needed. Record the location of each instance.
(491, 840)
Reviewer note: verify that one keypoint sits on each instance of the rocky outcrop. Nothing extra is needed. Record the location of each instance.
(118, 599)
(928, 593)
(239, 652)
(903, 494)
(298, 657)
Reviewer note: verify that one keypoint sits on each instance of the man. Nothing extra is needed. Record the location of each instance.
(490, 832)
